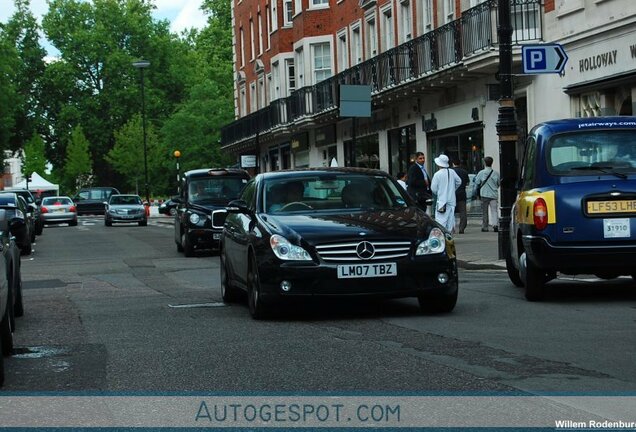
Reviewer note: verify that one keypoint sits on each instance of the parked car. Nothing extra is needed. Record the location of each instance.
(334, 232)
(91, 200)
(125, 208)
(202, 204)
(10, 289)
(57, 210)
(168, 207)
(34, 208)
(575, 212)
(20, 224)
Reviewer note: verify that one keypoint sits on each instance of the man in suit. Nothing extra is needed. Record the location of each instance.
(418, 181)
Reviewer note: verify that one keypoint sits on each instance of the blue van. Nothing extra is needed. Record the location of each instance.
(575, 211)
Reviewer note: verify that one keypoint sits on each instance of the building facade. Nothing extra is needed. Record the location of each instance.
(432, 66)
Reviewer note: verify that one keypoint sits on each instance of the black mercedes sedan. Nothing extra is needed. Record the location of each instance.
(333, 232)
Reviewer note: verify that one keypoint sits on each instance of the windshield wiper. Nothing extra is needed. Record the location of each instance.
(603, 169)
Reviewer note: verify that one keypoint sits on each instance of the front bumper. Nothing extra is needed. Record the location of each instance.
(126, 218)
(205, 238)
(584, 258)
(414, 277)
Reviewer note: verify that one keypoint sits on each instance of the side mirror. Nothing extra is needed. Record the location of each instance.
(238, 206)
(38, 201)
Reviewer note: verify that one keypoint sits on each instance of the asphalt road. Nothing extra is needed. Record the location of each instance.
(119, 309)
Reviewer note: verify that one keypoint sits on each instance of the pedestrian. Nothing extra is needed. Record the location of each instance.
(460, 195)
(418, 181)
(487, 189)
(444, 184)
(401, 179)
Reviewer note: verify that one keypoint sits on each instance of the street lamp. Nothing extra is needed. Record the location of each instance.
(141, 65)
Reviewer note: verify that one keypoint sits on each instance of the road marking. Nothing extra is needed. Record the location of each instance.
(197, 305)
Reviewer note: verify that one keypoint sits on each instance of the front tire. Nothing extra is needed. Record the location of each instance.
(229, 294)
(28, 248)
(258, 310)
(438, 303)
(108, 223)
(143, 223)
(186, 244)
(6, 333)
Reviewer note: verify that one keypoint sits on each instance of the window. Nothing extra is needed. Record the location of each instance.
(356, 45)
(242, 101)
(525, 21)
(300, 68)
(260, 34)
(322, 61)
(343, 51)
(288, 12)
(387, 29)
(253, 97)
(274, 16)
(261, 92)
(252, 55)
(371, 36)
(320, 3)
(405, 20)
(242, 48)
(427, 16)
(298, 7)
(274, 90)
(449, 10)
(267, 27)
(291, 76)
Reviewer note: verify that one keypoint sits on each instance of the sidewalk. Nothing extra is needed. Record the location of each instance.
(475, 249)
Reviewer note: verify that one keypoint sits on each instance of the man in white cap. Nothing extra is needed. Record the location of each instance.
(445, 182)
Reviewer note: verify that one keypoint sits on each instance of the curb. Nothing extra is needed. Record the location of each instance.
(476, 265)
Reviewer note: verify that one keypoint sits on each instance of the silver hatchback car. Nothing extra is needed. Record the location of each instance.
(57, 210)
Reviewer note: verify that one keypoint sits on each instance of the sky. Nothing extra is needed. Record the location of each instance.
(182, 14)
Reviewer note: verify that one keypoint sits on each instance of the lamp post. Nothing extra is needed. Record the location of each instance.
(177, 155)
(141, 65)
(506, 127)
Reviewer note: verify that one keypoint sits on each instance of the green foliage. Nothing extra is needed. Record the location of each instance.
(78, 170)
(127, 157)
(34, 158)
(8, 94)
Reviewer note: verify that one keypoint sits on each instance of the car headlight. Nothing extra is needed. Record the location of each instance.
(284, 250)
(436, 243)
(194, 218)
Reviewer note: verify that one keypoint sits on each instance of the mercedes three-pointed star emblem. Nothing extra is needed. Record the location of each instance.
(365, 250)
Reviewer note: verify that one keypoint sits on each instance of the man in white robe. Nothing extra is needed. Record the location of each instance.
(444, 183)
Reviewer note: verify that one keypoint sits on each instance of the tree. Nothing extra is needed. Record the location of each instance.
(94, 83)
(34, 158)
(127, 156)
(8, 94)
(22, 32)
(78, 169)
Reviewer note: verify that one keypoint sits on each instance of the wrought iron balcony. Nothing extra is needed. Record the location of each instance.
(446, 46)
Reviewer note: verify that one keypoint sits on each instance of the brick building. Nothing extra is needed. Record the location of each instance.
(431, 65)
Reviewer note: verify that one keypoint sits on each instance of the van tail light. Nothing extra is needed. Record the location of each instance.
(44, 210)
(540, 213)
(72, 209)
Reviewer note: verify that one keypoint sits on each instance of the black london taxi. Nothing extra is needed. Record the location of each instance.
(575, 211)
(201, 206)
(334, 232)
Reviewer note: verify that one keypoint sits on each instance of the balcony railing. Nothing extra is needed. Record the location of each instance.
(446, 46)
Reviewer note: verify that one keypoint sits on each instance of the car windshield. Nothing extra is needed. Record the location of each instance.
(591, 152)
(125, 200)
(7, 200)
(56, 201)
(215, 189)
(332, 192)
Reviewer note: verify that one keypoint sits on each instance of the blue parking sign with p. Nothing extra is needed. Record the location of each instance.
(543, 59)
(535, 59)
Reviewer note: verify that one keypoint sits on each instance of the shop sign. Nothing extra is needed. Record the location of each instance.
(248, 161)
